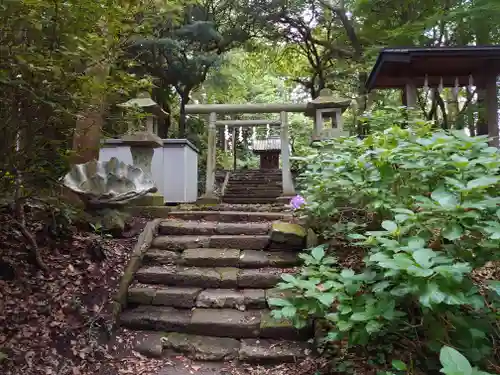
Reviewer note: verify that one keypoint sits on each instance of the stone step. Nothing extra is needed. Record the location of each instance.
(212, 322)
(255, 194)
(256, 183)
(230, 216)
(207, 257)
(210, 348)
(205, 277)
(247, 200)
(249, 189)
(188, 297)
(192, 227)
(243, 242)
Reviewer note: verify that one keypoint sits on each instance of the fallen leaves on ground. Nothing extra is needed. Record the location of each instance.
(59, 323)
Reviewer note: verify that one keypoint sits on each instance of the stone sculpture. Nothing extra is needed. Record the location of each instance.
(106, 187)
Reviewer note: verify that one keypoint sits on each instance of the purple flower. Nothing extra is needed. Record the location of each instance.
(297, 202)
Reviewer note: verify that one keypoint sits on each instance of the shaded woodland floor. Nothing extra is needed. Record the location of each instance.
(59, 322)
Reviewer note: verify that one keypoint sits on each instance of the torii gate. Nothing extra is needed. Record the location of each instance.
(323, 107)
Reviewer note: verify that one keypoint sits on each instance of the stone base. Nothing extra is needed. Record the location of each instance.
(154, 199)
(285, 199)
(208, 199)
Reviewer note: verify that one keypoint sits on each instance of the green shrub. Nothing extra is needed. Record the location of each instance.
(424, 206)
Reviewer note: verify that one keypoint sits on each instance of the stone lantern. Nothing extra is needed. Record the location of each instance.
(143, 142)
(326, 110)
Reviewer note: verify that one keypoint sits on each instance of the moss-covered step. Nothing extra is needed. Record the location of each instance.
(220, 322)
(208, 257)
(242, 242)
(207, 277)
(189, 297)
(193, 227)
(288, 234)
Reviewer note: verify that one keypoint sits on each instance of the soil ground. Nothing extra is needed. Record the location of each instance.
(59, 322)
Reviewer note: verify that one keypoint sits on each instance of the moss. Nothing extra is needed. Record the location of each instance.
(267, 321)
(289, 228)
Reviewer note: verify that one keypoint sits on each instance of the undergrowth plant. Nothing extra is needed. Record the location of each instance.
(424, 206)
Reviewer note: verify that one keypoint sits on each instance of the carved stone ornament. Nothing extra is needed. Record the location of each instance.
(108, 183)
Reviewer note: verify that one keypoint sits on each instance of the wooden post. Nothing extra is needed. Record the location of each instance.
(411, 95)
(492, 108)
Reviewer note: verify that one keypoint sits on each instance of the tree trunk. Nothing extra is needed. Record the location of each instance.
(182, 117)
(88, 129)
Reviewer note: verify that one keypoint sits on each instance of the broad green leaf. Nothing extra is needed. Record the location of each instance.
(452, 231)
(289, 278)
(373, 326)
(279, 302)
(415, 243)
(399, 365)
(318, 252)
(389, 226)
(289, 311)
(404, 211)
(326, 298)
(347, 273)
(401, 218)
(444, 198)
(423, 257)
(360, 317)
(494, 285)
(454, 362)
(380, 286)
(343, 325)
(482, 182)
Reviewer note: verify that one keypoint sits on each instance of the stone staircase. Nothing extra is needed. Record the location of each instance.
(205, 282)
(253, 186)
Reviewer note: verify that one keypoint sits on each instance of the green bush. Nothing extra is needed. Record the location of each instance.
(424, 207)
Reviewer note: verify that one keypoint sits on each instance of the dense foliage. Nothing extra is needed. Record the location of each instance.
(422, 206)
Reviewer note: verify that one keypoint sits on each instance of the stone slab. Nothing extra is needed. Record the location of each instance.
(288, 233)
(225, 323)
(150, 346)
(230, 298)
(242, 228)
(244, 242)
(179, 276)
(180, 242)
(259, 278)
(254, 298)
(186, 227)
(253, 259)
(272, 351)
(228, 276)
(156, 318)
(202, 348)
(220, 298)
(211, 257)
(284, 259)
(183, 297)
(157, 256)
(139, 295)
(282, 329)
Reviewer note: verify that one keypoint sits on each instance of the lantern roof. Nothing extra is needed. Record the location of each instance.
(326, 100)
(144, 101)
(395, 67)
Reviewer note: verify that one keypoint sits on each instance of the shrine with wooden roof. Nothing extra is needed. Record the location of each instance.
(437, 67)
(269, 150)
